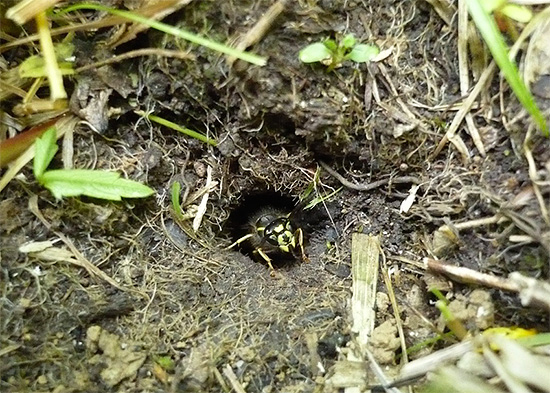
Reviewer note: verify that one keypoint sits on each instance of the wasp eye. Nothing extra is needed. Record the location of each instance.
(264, 221)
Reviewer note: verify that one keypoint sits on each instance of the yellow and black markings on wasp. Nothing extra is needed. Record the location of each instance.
(271, 232)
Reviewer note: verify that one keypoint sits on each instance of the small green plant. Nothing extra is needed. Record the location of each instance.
(333, 54)
(74, 182)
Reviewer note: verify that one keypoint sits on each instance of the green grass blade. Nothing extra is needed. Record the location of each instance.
(497, 46)
(168, 29)
(174, 126)
(92, 183)
(175, 196)
(45, 148)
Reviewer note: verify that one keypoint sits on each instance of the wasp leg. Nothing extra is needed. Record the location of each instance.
(300, 235)
(239, 241)
(267, 259)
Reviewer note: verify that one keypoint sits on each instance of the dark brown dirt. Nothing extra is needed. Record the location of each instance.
(184, 296)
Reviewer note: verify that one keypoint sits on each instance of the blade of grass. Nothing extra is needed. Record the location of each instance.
(174, 126)
(55, 77)
(497, 46)
(176, 203)
(168, 29)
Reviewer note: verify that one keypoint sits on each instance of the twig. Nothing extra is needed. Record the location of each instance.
(257, 32)
(463, 72)
(465, 275)
(80, 260)
(137, 53)
(230, 375)
(369, 186)
(395, 307)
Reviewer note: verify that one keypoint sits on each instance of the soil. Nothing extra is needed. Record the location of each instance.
(183, 307)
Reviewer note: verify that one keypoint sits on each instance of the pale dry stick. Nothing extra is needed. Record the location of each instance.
(463, 71)
(80, 260)
(466, 105)
(369, 186)
(377, 370)
(469, 276)
(529, 2)
(137, 53)
(258, 31)
(25, 10)
(395, 307)
(315, 362)
(204, 201)
(411, 116)
(526, 239)
(159, 10)
(230, 375)
(9, 348)
(529, 227)
(443, 9)
(67, 151)
(89, 26)
(219, 378)
(8, 88)
(532, 291)
(146, 11)
(496, 219)
(421, 366)
(510, 381)
(533, 175)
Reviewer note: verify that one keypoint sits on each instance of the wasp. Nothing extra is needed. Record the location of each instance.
(271, 232)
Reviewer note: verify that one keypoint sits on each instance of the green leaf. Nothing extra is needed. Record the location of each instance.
(362, 53)
(331, 45)
(96, 184)
(348, 41)
(168, 29)
(174, 126)
(45, 148)
(517, 12)
(34, 66)
(489, 31)
(175, 194)
(314, 53)
(166, 362)
(491, 5)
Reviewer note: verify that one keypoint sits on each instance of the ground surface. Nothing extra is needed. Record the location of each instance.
(187, 308)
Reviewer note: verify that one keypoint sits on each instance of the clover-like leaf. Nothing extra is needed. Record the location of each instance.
(362, 53)
(315, 53)
(348, 41)
(93, 183)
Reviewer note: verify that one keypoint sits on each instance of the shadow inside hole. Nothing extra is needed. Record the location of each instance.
(242, 221)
